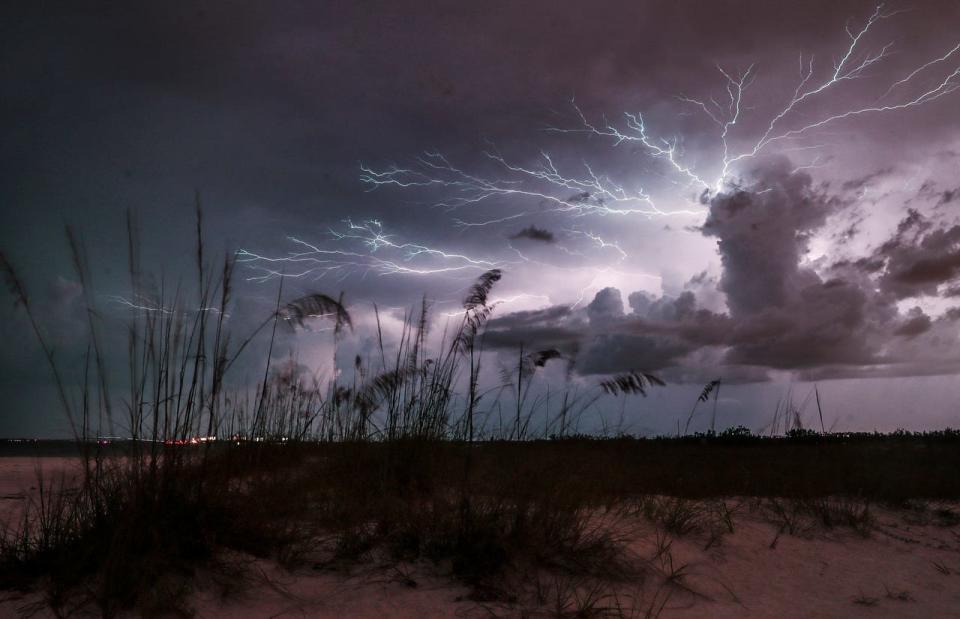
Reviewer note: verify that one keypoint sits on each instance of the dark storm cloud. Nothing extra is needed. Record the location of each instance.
(833, 329)
(268, 109)
(534, 233)
(531, 318)
(917, 260)
(782, 314)
(554, 327)
(918, 349)
(606, 307)
(663, 308)
(916, 323)
(948, 196)
(935, 193)
(609, 353)
(785, 315)
(273, 105)
(858, 184)
(561, 337)
(762, 233)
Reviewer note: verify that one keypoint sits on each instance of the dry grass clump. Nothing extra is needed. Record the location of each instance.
(140, 541)
(385, 466)
(798, 516)
(130, 537)
(675, 515)
(416, 504)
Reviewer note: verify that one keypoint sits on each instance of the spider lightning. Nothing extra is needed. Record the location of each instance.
(581, 192)
(601, 243)
(370, 233)
(851, 66)
(316, 262)
(596, 194)
(588, 194)
(144, 304)
(593, 284)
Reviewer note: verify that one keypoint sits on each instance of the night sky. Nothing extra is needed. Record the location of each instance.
(615, 159)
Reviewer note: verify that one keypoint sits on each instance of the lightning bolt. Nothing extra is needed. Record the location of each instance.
(591, 193)
(144, 304)
(581, 295)
(588, 194)
(313, 261)
(601, 243)
(580, 191)
(852, 65)
(140, 304)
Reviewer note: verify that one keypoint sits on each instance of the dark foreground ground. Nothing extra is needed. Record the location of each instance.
(806, 526)
(887, 467)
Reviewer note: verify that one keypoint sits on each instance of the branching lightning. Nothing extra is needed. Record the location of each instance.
(588, 194)
(595, 194)
(552, 185)
(606, 271)
(601, 243)
(375, 252)
(144, 304)
(852, 65)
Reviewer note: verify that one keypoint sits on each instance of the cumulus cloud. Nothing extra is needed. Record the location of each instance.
(606, 307)
(780, 310)
(934, 193)
(609, 353)
(948, 196)
(648, 306)
(554, 327)
(918, 259)
(762, 233)
(781, 313)
(916, 323)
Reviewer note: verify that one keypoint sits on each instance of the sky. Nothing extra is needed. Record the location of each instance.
(765, 193)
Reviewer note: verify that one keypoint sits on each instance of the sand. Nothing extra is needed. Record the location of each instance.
(908, 566)
(20, 480)
(835, 573)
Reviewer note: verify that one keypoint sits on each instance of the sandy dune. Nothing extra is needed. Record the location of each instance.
(822, 573)
(908, 566)
(20, 479)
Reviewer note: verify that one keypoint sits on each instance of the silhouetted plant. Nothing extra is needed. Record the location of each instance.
(713, 387)
(316, 305)
(631, 383)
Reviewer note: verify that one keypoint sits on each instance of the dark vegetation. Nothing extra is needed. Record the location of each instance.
(409, 460)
